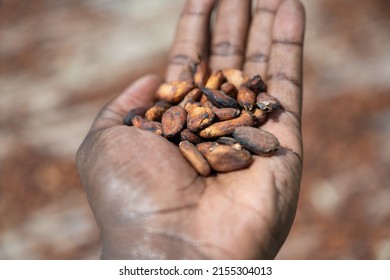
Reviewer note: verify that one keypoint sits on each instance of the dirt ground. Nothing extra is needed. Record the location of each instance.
(60, 61)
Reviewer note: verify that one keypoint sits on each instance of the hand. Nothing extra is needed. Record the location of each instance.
(148, 200)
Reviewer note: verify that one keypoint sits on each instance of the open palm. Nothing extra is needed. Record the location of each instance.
(148, 200)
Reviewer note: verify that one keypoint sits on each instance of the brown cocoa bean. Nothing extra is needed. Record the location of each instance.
(226, 140)
(174, 92)
(259, 116)
(155, 112)
(145, 124)
(198, 116)
(229, 89)
(173, 121)
(267, 102)
(187, 135)
(246, 98)
(229, 141)
(223, 114)
(256, 84)
(225, 158)
(140, 111)
(202, 73)
(191, 153)
(219, 99)
(256, 140)
(193, 96)
(215, 80)
(235, 76)
(204, 99)
(226, 127)
(204, 147)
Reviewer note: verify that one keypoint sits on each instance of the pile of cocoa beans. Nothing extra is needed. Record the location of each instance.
(213, 118)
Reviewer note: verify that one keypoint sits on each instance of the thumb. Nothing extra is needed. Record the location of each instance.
(141, 93)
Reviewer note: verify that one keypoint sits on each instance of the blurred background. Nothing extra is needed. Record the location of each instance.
(60, 61)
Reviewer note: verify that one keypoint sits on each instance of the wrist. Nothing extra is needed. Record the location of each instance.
(135, 243)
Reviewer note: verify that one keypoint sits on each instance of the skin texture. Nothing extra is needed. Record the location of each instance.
(148, 201)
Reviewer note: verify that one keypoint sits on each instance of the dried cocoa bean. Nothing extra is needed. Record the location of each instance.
(226, 140)
(174, 92)
(226, 127)
(259, 116)
(256, 140)
(229, 141)
(193, 96)
(223, 114)
(155, 112)
(187, 135)
(140, 111)
(219, 99)
(204, 99)
(215, 80)
(204, 147)
(191, 153)
(225, 158)
(246, 98)
(235, 76)
(173, 121)
(256, 84)
(145, 124)
(267, 102)
(198, 116)
(201, 74)
(229, 89)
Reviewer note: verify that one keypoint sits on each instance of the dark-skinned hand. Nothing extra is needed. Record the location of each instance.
(149, 202)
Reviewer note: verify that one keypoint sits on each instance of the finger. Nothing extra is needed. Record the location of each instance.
(260, 37)
(285, 68)
(139, 94)
(285, 73)
(191, 38)
(229, 36)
